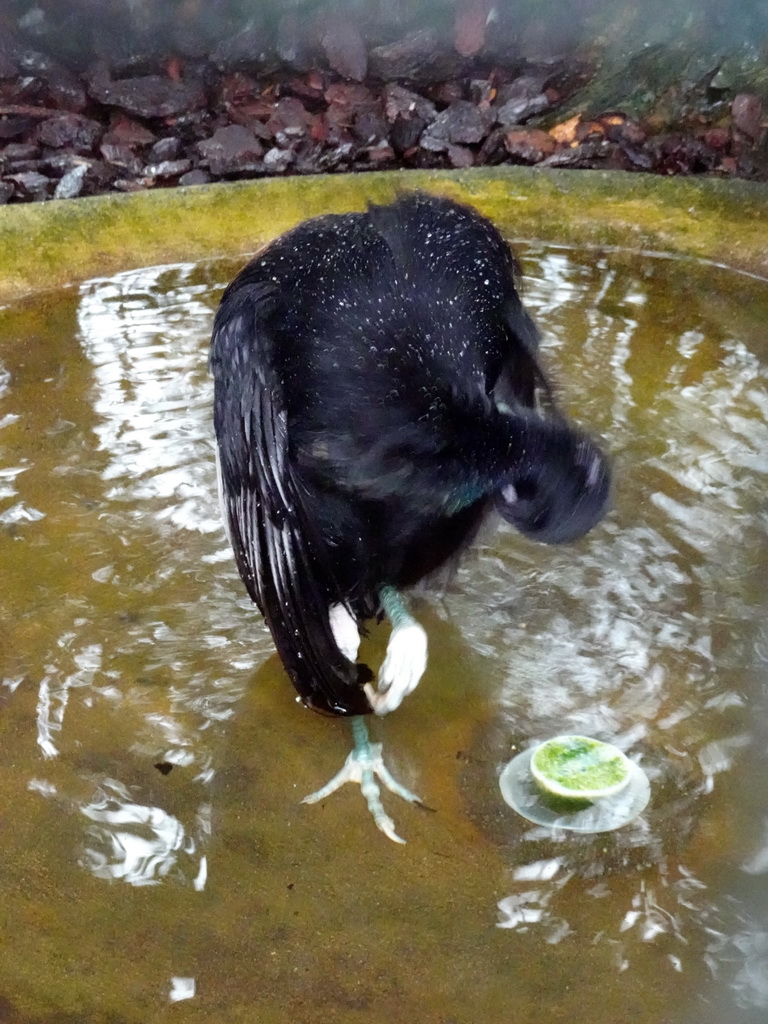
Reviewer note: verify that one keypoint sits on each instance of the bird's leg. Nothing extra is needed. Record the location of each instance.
(406, 656)
(362, 766)
(403, 665)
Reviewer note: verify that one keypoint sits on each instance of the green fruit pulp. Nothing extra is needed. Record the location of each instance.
(580, 764)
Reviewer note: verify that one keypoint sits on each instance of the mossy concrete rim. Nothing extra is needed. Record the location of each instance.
(48, 245)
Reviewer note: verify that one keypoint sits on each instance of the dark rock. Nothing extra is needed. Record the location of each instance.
(240, 96)
(351, 105)
(402, 103)
(493, 150)
(432, 144)
(20, 151)
(122, 157)
(340, 138)
(55, 162)
(60, 87)
(27, 91)
(14, 125)
(351, 96)
(66, 92)
(446, 93)
(424, 159)
(289, 114)
(405, 133)
(70, 130)
(678, 154)
(333, 159)
(250, 115)
(149, 96)
(71, 184)
(196, 127)
(30, 184)
(126, 132)
(461, 156)
(231, 150)
(6, 192)
(747, 113)
(21, 166)
(308, 158)
(381, 153)
(517, 111)
(529, 145)
(589, 131)
(277, 161)
(99, 177)
(344, 47)
(130, 184)
(638, 159)
(167, 169)
(370, 128)
(418, 57)
(588, 154)
(236, 88)
(409, 114)
(462, 122)
(524, 87)
(284, 140)
(167, 148)
(620, 128)
(196, 177)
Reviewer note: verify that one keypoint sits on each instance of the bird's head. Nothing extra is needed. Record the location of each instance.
(560, 490)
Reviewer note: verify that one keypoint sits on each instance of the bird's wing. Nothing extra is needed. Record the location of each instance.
(279, 554)
(522, 381)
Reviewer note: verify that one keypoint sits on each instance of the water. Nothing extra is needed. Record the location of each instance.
(153, 849)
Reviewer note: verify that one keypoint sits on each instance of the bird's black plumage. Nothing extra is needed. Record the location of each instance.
(377, 391)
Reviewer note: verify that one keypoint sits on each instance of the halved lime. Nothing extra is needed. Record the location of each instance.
(580, 768)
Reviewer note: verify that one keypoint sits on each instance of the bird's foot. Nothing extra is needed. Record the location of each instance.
(364, 765)
(405, 660)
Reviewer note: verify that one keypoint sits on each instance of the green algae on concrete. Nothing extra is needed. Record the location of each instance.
(48, 245)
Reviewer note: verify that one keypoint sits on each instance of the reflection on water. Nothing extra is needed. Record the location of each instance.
(149, 740)
(135, 843)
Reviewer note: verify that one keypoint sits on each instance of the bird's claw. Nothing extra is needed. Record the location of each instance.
(363, 767)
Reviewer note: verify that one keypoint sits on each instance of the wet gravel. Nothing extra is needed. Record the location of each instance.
(65, 134)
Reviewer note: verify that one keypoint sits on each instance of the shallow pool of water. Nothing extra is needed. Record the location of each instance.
(153, 849)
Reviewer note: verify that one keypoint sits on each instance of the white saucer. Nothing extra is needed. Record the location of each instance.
(604, 814)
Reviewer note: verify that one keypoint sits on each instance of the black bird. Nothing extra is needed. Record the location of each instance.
(377, 393)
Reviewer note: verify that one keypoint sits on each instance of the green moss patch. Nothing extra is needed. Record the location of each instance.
(47, 245)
